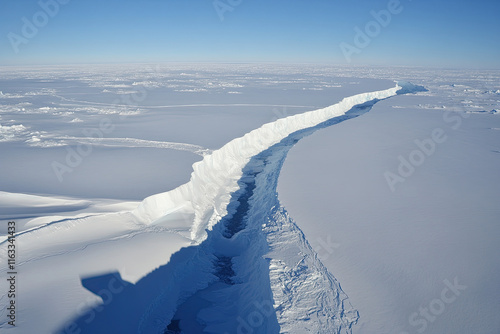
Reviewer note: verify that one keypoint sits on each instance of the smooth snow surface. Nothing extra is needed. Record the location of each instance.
(397, 250)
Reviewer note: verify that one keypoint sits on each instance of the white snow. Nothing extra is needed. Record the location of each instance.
(394, 251)
(10, 133)
(220, 249)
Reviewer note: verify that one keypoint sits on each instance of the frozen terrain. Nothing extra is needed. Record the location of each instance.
(118, 233)
(399, 248)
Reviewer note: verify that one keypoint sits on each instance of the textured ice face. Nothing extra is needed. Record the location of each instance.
(217, 174)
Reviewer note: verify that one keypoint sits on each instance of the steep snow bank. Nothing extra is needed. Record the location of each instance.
(216, 176)
(265, 275)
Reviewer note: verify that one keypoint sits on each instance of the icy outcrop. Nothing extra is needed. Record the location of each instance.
(213, 179)
(409, 88)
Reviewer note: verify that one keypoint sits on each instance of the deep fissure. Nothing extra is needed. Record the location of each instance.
(236, 222)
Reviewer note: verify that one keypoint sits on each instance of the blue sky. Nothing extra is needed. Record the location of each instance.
(422, 32)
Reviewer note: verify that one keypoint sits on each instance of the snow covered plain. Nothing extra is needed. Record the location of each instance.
(83, 146)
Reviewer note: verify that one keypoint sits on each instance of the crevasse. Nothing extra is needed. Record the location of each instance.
(250, 269)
